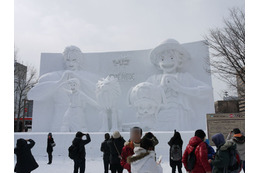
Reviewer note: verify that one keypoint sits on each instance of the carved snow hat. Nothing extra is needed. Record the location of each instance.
(169, 44)
(146, 91)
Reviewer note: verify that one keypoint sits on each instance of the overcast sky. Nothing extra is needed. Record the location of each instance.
(113, 25)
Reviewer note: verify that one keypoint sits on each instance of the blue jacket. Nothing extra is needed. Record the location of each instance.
(211, 151)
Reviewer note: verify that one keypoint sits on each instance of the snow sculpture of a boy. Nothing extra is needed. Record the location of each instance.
(178, 85)
(74, 118)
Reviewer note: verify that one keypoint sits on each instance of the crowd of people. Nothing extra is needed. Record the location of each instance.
(137, 155)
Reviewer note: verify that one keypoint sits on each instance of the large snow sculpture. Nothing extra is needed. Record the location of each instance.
(108, 92)
(178, 86)
(147, 99)
(51, 100)
(178, 95)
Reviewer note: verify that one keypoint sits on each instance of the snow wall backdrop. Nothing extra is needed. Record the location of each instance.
(109, 91)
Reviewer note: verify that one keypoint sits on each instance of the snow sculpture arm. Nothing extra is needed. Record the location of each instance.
(199, 90)
(47, 86)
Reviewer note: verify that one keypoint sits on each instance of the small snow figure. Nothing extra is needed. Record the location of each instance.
(107, 93)
(147, 99)
(25, 159)
(74, 119)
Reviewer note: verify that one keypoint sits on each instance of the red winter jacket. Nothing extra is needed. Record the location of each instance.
(127, 151)
(201, 153)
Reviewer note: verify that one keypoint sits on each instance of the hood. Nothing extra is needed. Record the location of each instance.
(140, 153)
(228, 145)
(76, 141)
(195, 141)
(239, 140)
(218, 139)
(21, 143)
(140, 157)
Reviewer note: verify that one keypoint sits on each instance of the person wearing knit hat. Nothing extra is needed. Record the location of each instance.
(116, 135)
(237, 137)
(115, 144)
(178, 85)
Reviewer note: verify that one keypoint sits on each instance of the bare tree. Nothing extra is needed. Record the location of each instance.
(227, 46)
(24, 79)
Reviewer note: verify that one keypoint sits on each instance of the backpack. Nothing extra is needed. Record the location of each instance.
(73, 151)
(176, 153)
(235, 164)
(191, 160)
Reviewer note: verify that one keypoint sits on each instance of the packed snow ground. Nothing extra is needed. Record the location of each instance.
(65, 165)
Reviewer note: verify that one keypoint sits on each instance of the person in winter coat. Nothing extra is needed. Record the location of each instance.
(143, 159)
(222, 156)
(25, 160)
(50, 145)
(150, 135)
(201, 153)
(175, 144)
(128, 150)
(211, 151)
(106, 153)
(115, 144)
(80, 159)
(237, 137)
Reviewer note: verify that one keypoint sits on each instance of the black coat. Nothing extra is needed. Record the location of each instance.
(174, 141)
(50, 143)
(25, 159)
(115, 148)
(80, 144)
(105, 149)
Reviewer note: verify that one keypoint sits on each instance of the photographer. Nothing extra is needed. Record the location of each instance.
(25, 159)
(80, 153)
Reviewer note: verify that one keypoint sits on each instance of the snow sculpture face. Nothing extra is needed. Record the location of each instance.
(146, 98)
(72, 56)
(169, 56)
(74, 84)
(169, 61)
(146, 107)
